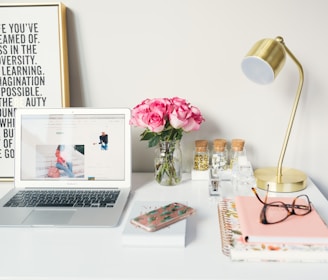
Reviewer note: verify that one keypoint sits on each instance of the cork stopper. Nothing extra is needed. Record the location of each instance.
(237, 144)
(201, 145)
(219, 145)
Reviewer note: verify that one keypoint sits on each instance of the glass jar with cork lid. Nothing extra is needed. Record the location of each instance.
(201, 155)
(237, 150)
(219, 159)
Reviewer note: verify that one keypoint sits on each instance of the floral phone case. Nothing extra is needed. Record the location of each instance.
(163, 216)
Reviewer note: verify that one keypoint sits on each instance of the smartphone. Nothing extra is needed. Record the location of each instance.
(163, 216)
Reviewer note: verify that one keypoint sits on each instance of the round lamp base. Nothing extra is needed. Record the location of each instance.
(292, 180)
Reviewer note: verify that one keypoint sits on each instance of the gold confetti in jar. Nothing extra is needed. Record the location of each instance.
(201, 155)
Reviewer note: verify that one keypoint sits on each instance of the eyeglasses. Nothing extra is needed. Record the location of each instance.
(278, 211)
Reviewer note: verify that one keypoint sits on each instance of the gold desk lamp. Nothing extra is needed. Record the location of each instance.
(261, 65)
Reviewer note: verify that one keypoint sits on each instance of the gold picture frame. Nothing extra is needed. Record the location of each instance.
(33, 67)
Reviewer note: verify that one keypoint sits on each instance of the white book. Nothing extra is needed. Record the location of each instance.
(171, 236)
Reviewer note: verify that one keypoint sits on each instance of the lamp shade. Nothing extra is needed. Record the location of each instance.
(264, 61)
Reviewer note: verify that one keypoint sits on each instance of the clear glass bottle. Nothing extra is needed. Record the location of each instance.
(219, 160)
(237, 154)
(237, 150)
(201, 155)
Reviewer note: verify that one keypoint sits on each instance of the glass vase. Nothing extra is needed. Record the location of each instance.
(168, 163)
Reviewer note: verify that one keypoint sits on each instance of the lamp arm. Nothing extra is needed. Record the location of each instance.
(291, 120)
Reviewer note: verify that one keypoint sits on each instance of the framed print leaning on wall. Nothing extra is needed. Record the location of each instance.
(33, 67)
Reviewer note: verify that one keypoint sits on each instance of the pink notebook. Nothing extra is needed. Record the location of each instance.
(308, 229)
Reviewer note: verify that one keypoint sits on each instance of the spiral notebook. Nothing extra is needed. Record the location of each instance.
(234, 247)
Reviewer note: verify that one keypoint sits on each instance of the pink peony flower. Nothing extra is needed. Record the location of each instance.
(165, 118)
(194, 121)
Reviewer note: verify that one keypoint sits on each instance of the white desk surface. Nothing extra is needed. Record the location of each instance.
(83, 253)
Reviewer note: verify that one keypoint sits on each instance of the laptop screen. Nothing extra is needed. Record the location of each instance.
(73, 147)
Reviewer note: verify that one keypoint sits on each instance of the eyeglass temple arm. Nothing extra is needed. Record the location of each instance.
(254, 191)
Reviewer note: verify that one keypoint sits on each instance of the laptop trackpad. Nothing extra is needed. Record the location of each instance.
(49, 217)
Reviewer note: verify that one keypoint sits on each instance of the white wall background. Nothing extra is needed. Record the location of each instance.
(123, 51)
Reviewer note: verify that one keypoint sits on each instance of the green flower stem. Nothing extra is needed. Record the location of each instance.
(166, 164)
(166, 167)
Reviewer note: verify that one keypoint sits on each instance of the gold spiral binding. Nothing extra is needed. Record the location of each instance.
(225, 227)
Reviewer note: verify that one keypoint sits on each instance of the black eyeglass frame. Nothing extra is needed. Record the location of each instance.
(287, 206)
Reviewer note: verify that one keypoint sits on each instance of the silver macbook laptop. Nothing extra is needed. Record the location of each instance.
(72, 168)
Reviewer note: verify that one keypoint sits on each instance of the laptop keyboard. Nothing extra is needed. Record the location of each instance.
(64, 198)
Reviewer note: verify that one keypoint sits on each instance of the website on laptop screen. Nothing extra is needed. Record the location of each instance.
(72, 147)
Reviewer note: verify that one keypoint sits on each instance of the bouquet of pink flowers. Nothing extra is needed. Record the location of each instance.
(165, 119)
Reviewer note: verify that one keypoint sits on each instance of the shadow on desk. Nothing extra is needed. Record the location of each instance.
(192, 227)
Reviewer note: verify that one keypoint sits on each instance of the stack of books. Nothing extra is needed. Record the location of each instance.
(245, 238)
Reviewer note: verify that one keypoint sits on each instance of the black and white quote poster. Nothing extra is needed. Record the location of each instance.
(33, 68)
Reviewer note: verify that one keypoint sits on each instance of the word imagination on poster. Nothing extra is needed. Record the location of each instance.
(21, 77)
(31, 59)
